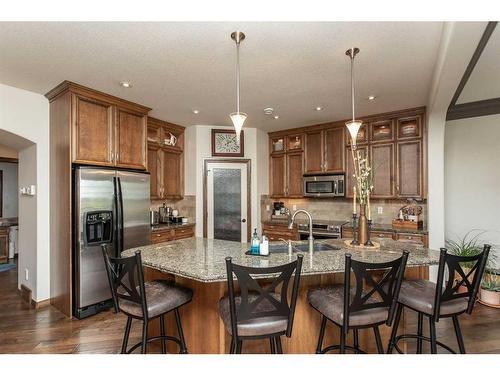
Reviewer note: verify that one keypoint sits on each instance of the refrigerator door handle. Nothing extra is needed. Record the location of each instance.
(120, 217)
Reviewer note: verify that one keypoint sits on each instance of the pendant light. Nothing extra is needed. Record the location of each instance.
(353, 125)
(238, 118)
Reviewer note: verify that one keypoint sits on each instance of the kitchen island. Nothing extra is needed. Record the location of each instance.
(198, 263)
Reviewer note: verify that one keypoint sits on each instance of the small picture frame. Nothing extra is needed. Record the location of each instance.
(224, 143)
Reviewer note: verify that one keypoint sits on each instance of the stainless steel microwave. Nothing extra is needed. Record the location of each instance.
(324, 186)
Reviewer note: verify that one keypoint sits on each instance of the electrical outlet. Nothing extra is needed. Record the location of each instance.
(26, 274)
(268, 208)
(294, 207)
(380, 210)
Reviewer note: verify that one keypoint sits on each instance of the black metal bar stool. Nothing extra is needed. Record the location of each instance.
(258, 312)
(357, 308)
(144, 301)
(427, 298)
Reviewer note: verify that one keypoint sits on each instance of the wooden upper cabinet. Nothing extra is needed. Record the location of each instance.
(130, 139)
(334, 150)
(409, 127)
(154, 168)
(382, 160)
(92, 132)
(295, 142)
(349, 168)
(294, 175)
(278, 174)
(410, 169)
(313, 158)
(165, 159)
(277, 145)
(382, 131)
(172, 168)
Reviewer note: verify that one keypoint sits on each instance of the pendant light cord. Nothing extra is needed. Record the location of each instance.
(237, 77)
(352, 82)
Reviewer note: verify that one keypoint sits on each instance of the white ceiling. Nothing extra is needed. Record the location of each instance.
(177, 67)
(484, 82)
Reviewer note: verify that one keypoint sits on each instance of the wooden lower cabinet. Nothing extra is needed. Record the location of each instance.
(4, 245)
(275, 232)
(171, 234)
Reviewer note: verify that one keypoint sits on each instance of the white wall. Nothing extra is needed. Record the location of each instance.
(9, 190)
(472, 177)
(198, 147)
(26, 114)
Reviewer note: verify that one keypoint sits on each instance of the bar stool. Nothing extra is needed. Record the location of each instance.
(426, 298)
(356, 308)
(258, 312)
(144, 301)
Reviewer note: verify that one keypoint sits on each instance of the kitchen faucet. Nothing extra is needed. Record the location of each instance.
(311, 238)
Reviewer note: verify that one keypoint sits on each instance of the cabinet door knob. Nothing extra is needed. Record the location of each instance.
(243, 220)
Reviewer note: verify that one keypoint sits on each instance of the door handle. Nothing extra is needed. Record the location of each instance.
(243, 220)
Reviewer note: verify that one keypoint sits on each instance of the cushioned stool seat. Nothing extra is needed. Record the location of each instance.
(329, 301)
(254, 327)
(161, 297)
(420, 294)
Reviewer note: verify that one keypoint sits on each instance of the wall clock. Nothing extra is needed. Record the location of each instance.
(224, 143)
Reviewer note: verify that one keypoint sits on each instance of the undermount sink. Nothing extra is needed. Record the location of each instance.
(303, 247)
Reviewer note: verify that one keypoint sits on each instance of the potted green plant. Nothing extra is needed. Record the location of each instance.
(469, 245)
(489, 293)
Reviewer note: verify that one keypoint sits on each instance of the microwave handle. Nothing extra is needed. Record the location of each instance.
(335, 187)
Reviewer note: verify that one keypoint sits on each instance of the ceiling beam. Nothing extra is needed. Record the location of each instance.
(490, 27)
(474, 109)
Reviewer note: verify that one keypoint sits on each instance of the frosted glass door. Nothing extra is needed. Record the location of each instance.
(227, 201)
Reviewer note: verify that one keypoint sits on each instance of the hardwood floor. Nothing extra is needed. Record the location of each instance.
(26, 330)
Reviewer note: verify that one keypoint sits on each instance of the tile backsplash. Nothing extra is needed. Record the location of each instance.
(186, 206)
(337, 209)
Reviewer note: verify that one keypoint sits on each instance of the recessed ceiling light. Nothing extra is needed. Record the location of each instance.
(195, 111)
(371, 97)
(126, 84)
(268, 110)
(318, 108)
(276, 117)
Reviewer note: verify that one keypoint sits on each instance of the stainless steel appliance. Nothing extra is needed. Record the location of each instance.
(332, 185)
(321, 229)
(111, 207)
(154, 217)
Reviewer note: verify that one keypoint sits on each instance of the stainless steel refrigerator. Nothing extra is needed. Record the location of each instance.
(111, 207)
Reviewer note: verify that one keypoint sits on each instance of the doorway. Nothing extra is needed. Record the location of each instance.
(226, 201)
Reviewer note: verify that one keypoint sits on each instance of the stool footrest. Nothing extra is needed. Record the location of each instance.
(348, 347)
(154, 338)
(414, 336)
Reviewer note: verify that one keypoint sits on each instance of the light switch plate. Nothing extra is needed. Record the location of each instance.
(294, 207)
(380, 210)
(268, 208)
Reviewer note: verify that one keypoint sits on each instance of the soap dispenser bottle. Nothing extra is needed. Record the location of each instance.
(255, 243)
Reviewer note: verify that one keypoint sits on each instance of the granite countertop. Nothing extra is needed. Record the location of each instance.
(171, 226)
(202, 259)
(8, 222)
(389, 228)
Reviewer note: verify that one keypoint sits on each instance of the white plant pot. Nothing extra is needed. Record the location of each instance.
(490, 298)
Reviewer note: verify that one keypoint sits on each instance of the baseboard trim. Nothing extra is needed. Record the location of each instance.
(26, 296)
(40, 304)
